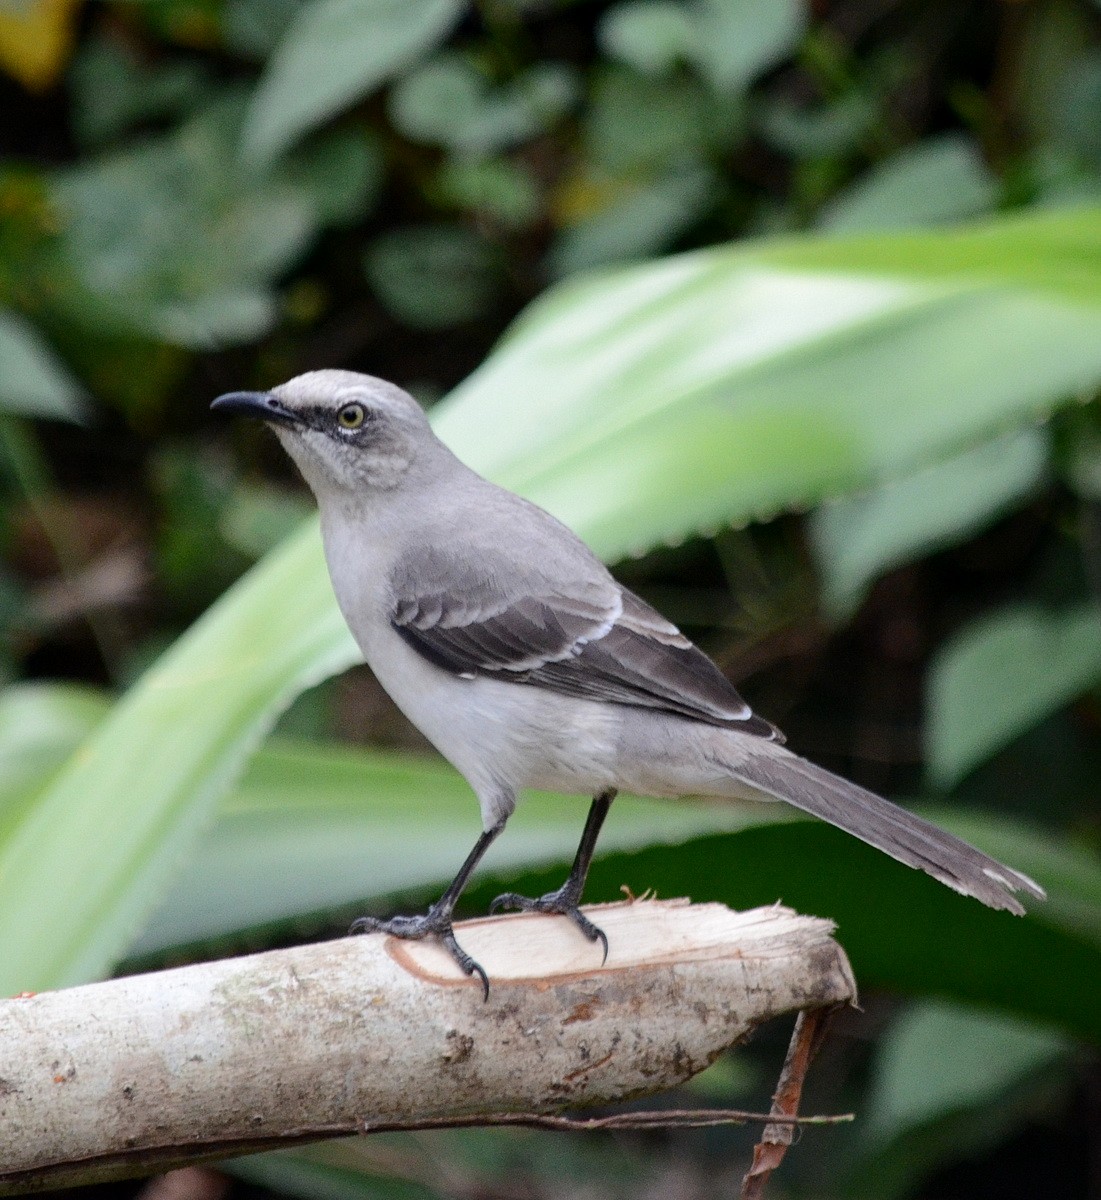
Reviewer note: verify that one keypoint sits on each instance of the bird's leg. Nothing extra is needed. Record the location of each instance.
(437, 921)
(567, 898)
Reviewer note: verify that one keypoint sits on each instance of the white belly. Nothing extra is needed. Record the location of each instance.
(501, 736)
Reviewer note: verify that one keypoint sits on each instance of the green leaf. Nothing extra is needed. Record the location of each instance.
(902, 930)
(1077, 94)
(319, 828)
(642, 406)
(448, 102)
(33, 380)
(728, 384)
(41, 724)
(310, 829)
(432, 276)
(637, 126)
(651, 36)
(933, 182)
(173, 240)
(333, 53)
(503, 190)
(819, 131)
(253, 28)
(113, 90)
(741, 39)
(857, 538)
(1001, 675)
(950, 1084)
(940, 1058)
(643, 220)
(80, 871)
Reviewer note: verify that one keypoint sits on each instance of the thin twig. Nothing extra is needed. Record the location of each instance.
(678, 1118)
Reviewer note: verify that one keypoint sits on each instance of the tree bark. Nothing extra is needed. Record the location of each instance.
(370, 1033)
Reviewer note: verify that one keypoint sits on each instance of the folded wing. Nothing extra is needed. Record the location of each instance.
(590, 638)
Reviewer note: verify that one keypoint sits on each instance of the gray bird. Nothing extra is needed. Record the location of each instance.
(513, 649)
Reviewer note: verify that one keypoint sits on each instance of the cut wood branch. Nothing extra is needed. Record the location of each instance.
(371, 1033)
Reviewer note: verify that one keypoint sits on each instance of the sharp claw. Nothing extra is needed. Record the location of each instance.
(560, 903)
(475, 969)
(415, 928)
(466, 963)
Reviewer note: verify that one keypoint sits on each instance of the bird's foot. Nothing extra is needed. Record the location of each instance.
(564, 902)
(434, 923)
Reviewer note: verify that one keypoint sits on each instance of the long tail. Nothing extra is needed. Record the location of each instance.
(767, 767)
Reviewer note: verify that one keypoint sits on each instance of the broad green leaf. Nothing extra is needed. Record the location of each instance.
(650, 35)
(857, 538)
(433, 276)
(1001, 675)
(316, 830)
(950, 1083)
(941, 1058)
(637, 127)
(33, 380)
(319, 828)
(449, 102)
(731, 383)
(172, 239)
(901, 929)
(504, 190)
(40, 726)
(310, 829)
(646, 218)
(930, 183)
(332, 53)
(79, 872)
(642, 406)
(737, 40)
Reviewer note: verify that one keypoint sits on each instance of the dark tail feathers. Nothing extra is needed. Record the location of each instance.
(779, 773)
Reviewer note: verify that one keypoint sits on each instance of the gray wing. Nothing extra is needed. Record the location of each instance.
(594, 639)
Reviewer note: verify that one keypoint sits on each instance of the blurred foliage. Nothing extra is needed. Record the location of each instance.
(202, 195)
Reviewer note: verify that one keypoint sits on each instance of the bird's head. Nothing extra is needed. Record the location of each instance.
(348, 433)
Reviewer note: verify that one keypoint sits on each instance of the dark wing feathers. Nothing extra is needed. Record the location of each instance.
(599, 641)
(529, 632)
(627, 667)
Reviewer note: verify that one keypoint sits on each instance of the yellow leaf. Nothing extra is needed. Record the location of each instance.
(36, 37)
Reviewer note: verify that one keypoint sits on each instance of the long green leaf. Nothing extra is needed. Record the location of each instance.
(643, 406)
(33, 379)
(901, 929)
(1000, 676)
(728, 384)
(318, 829)
(333, 53)
(310, 829)
(78, 873)
(939, 1058)
(856, 538)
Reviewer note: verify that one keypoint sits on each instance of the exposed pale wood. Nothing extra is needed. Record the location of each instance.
(361, 1033)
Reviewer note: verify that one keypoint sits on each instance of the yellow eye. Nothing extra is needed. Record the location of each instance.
(351, 416)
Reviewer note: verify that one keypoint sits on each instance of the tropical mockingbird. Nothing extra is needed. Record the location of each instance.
(511, 647)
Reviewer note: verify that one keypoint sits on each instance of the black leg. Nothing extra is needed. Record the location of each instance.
(567, 899)
(438, 918)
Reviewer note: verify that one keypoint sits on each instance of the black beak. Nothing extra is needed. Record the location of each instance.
(261, 405)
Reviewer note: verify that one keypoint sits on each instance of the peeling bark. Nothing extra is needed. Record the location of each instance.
(359, 1034)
